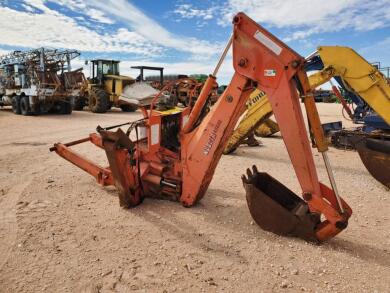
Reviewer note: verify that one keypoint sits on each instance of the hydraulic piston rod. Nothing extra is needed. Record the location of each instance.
(204, 94)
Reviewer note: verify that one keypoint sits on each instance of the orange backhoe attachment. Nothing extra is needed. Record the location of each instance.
(176, 151)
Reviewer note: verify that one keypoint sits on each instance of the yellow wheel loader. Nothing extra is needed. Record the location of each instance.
(105, 87)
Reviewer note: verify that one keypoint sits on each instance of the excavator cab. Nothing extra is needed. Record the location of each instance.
(101, 68)
(106, 85)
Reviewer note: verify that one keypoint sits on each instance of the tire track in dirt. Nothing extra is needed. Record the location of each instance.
(8, 221)
(8, 202)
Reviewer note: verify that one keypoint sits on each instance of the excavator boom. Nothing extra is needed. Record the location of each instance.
(355, 73)
(177, 158)
(258, 112)
(365, 82)
(359, 76)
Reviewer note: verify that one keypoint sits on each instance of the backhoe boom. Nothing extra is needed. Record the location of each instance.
(178, 157)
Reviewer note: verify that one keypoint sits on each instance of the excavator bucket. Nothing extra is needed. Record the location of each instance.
(375, 155)
(277, 209)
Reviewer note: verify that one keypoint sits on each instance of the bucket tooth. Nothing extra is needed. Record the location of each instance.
(277, 209)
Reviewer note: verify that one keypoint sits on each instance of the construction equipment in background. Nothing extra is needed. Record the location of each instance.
(267, 129)
(365, 86)
(384, 70)
(184, 88)
(76, 84)
(107, 88)
(257, 121)
(257, 112)
(361, 82)
(176, 151)
(201, 78)
(324, 96)
(104, 87)
(369, 89)
(180, 91)
(155, 81)
(33, 81)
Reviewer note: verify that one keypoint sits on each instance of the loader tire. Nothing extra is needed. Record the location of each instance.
(128, 108)
(16, 105)
(98, 101)
(25, 106)
(79, 104)
(109, 105)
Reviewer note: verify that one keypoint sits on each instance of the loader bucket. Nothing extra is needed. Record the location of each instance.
(277, 209)
(375, 155)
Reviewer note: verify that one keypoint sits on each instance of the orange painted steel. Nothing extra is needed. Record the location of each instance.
(102, 175)
(183, 171)
(342, 101)
(204, 94)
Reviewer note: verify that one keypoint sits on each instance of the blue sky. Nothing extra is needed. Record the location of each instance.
(188, 36)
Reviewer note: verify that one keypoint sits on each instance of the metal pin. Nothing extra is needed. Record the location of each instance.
(168, 184)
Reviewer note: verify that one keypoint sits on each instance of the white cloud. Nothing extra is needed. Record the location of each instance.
(42, 26)
(135, 20)
(28, 7)
(52, 29)
(188, 11)
(308, 17)
(378, 52)
(72, 4)
(99, 16)
(151, 30)
(39, 4)
(81, 7)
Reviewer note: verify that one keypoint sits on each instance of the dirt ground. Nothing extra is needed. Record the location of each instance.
(61, 232)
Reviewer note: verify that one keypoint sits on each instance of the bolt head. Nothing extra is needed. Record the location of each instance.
(307, 196)
(294, 64)
(243, 62)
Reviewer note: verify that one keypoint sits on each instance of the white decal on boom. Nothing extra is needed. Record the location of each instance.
(266, 41)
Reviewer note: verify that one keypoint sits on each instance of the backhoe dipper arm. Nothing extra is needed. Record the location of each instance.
(260, 58)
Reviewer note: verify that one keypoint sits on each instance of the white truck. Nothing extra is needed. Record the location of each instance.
(34, 82)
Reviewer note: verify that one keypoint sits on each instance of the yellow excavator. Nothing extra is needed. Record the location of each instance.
(369, 90)
(255, 121)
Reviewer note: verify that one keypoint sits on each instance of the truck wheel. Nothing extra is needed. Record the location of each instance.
(79, 104)
(16, 105)
(65, 108)
(98, 101)
(128, 108)
(25, 106)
